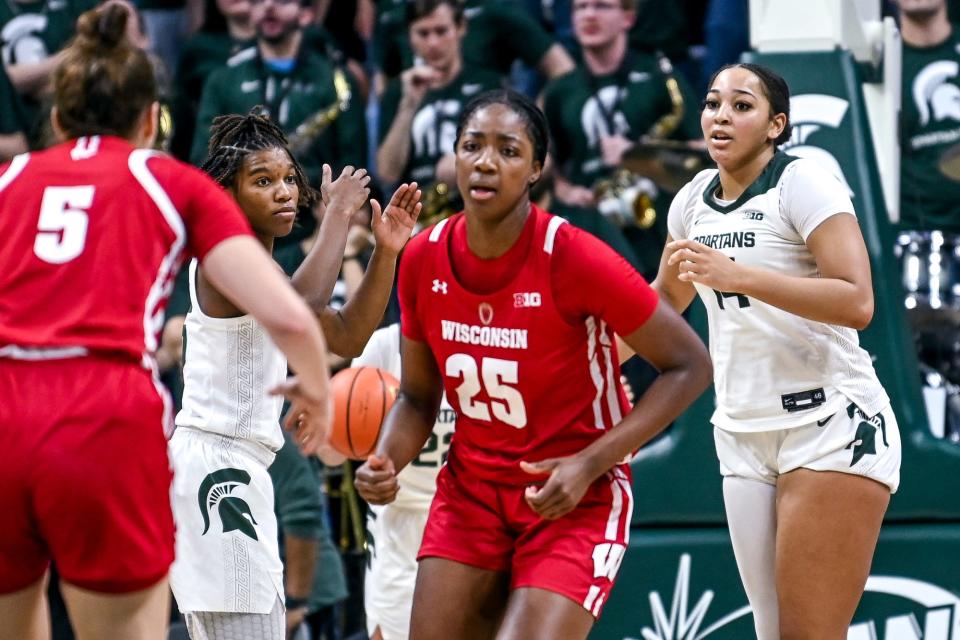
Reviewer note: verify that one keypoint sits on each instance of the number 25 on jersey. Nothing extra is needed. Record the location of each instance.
(62, 227)
(496, 375)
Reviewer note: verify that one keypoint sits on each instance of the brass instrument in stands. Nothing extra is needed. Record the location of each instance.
(626, 198)
(438, 203)
(310, 129)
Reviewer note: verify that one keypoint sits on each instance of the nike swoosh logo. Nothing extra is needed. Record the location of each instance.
(820, 423)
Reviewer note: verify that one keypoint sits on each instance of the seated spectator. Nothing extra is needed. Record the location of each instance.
(295, 84)
(498, 33)
(419, 111)
(223, 35)
(611, 100)
(32, 33)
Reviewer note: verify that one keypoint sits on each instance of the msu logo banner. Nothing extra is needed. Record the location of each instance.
(216, 492)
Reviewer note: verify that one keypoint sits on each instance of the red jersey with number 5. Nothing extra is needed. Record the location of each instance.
(94, 232)
(531, 368)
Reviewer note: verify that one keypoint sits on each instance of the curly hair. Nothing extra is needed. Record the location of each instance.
(234, 137)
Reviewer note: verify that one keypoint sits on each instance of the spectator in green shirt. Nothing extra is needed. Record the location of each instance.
(930, 117)
(499, 32)
(597, 112)
(419, 111)
(200, 56)
(294, 83)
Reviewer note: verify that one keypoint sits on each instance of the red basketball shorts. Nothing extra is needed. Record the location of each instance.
(492, 527)
(85, 480)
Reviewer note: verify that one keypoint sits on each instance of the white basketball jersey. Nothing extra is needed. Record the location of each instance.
(229, 364)
(774, 369)
(418, 481)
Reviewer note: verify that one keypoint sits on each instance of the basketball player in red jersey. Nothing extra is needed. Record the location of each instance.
(514, 313)
(95, 228)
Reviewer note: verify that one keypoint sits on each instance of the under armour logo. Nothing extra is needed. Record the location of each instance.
(439, 286)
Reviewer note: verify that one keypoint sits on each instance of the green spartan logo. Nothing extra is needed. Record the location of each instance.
(234, 512)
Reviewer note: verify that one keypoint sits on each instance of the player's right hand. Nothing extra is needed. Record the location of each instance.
(309, 416)
(376, 480)
(416, 81)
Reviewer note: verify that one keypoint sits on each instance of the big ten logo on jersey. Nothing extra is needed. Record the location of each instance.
(434, 128)
(812, 115)
(752, 214)
(434, 452)
(527, 299)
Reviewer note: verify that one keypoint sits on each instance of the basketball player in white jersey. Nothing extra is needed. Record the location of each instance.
(395, 530)
(808, 445)
(227, 577)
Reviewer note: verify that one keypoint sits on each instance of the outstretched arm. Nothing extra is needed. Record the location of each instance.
(348, 329)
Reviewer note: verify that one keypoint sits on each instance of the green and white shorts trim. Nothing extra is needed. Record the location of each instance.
(847, 441)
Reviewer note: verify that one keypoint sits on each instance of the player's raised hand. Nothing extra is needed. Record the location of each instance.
(309, 416)
(567, 482)
(376, 480)
(697, 262)
(393, 226)
(347, 193)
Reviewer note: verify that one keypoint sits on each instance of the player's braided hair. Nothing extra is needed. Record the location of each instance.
(234, 137)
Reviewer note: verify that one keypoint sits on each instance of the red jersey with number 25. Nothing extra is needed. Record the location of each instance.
(530, 368)
(94, 232)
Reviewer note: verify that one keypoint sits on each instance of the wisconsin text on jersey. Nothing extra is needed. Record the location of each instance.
(484, 336)
(734, 240)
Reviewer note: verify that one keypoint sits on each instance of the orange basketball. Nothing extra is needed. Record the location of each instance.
(361, 398)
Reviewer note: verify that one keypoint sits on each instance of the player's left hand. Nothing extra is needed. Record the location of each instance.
(393, 226)
(568, 481)
(699, 263)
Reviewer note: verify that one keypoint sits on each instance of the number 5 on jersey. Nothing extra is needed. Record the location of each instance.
(62, 227)
(505, 401)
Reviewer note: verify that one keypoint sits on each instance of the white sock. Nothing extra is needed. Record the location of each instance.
(752, 517)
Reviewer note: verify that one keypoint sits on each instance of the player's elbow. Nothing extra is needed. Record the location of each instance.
(861, 314)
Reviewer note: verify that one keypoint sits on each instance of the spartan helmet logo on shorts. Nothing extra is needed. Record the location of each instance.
(864, 441)
(235, 514)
